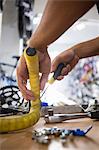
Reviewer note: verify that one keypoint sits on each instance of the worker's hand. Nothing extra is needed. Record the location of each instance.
(69, 58)
(23, 76)
(45, 65)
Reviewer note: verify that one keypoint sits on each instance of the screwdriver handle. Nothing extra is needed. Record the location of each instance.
(58, 70)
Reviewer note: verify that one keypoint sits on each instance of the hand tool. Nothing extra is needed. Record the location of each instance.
(57, 118)
(53, 78)
(57, 73)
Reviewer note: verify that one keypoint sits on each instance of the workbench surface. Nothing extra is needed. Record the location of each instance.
(22, 140)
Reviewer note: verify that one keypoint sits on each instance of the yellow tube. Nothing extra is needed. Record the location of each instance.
(17, 122)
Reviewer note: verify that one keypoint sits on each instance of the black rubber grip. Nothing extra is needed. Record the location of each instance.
(95, 114)
(31, 51)
(58, 70)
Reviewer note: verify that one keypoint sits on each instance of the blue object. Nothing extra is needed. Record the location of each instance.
(44, 104)
(79, 132)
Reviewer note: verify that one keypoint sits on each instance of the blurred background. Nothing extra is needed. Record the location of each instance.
(18, 19)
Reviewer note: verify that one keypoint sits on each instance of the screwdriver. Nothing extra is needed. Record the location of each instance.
(54, 77)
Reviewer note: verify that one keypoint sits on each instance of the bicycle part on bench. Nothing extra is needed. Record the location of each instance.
(11, 102)
(57, 118)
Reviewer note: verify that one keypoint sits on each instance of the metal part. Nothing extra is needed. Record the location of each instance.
(66, 109)
(88, 129)
(93, 113)
(45, 135)
(50, 111)
(44, 90)
(57, 118)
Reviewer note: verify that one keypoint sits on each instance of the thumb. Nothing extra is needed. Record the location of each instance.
(65, 57)
(55, 63)
(43, 80)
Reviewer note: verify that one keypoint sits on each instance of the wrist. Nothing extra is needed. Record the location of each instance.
(35, 42)
(77, 51)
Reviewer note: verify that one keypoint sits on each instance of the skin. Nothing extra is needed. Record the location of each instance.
(79, 51)
(23, 76)
(58, 16)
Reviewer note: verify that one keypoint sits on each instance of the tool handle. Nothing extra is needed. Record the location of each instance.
(58, 70)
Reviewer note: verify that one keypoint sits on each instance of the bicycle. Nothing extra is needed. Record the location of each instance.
(7, 76)
(25, 21)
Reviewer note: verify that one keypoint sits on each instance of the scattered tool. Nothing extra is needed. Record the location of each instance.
(79, 132)
(45, 135)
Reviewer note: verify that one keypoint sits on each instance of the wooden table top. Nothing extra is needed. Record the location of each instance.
(22, 140)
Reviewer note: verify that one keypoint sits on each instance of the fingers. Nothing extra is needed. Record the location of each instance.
(70, 66)
(55, 63)
(43, 80)
(60, 77)
(65, 70)
(27, 94)
(44, 68)
(67, 57)
(22, 76)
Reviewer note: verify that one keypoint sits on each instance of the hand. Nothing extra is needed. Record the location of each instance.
(23, 76)
(69, 58)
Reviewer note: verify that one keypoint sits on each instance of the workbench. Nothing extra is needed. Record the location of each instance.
(22, 140)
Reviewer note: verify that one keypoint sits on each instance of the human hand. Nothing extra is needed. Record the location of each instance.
(69, 58)
(23, 76)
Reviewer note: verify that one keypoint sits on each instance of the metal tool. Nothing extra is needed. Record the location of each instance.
(53, 78)
(57, 118)
(56, 74)
(46, 135)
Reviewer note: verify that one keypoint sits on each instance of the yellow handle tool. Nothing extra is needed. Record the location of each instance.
(17, 122)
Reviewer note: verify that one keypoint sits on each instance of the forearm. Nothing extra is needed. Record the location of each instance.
(57, 18)
(87, 49)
